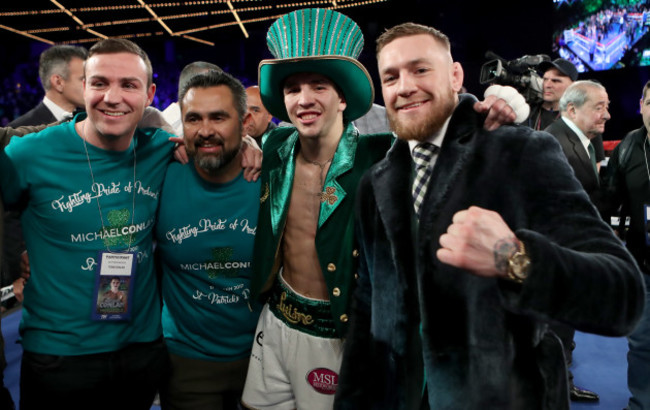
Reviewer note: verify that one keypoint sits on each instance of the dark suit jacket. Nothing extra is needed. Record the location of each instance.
(576, 154)
(36, 116)
(5, 135)
(14, 246)
(485, 342)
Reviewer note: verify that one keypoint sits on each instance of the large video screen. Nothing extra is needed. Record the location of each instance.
(602, 35)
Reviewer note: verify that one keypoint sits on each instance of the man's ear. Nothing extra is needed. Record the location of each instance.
(150, 93)
(56, 82)
(343, 104)
(247, 120)
(457, 77)
(571, 110)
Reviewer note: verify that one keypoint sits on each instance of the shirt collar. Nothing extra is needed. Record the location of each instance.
(58, 112)
(583, 138)
(435, 139)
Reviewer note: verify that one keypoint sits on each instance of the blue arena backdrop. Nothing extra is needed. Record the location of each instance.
(598, 35)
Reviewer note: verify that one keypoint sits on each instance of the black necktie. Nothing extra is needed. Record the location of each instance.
(592, 157)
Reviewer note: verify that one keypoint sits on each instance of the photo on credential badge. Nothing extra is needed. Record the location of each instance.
(113, 286)
(112, 297)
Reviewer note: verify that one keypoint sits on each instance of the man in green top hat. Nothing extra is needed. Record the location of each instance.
(305, 255)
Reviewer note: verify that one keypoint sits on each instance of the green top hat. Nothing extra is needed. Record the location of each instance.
(316, 41)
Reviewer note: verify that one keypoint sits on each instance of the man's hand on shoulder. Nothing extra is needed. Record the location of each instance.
(251, 159)
(153, 118)
(180, 152)
(503, 105)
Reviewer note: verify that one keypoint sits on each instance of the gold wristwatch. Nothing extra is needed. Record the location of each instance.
(518, 264)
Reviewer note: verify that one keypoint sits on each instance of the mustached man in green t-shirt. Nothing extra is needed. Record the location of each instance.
(206, 250)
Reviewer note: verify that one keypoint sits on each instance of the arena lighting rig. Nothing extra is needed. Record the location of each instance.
(86, 21)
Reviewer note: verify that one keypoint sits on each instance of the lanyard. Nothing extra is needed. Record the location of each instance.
(99, 206)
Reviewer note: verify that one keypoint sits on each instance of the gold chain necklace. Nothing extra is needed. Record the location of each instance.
(319, 165)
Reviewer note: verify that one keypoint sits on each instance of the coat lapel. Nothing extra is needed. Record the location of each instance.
(392, 191)
(581, 153)
(392, 188)
(579, 150)
(281, 182)
(333, 192)
(454, 153)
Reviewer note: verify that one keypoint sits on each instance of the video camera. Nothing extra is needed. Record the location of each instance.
(520, 73)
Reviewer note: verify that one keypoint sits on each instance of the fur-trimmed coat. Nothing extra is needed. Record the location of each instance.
(484, 340)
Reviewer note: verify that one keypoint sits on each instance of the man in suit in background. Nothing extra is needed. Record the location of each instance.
(584, 111)
(61, 72)
(558, 75)
(60, 69)
(261, 122)
(583, 108)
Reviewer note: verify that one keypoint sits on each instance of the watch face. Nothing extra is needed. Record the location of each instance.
(519, 264)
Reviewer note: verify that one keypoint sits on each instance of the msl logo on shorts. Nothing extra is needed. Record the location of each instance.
(323, 380)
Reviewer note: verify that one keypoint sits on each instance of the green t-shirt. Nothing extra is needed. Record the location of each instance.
(205, 234)
(48, 176)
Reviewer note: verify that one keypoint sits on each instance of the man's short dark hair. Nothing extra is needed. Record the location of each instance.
(120, 45)
(192, 69)
(411, 29)
(56, 60)
(215, 78)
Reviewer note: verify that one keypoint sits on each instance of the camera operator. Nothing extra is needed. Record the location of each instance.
(541, 93)
(557, 75)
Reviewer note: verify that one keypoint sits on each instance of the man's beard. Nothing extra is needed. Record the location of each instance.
(212, 163)
(425, 127)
